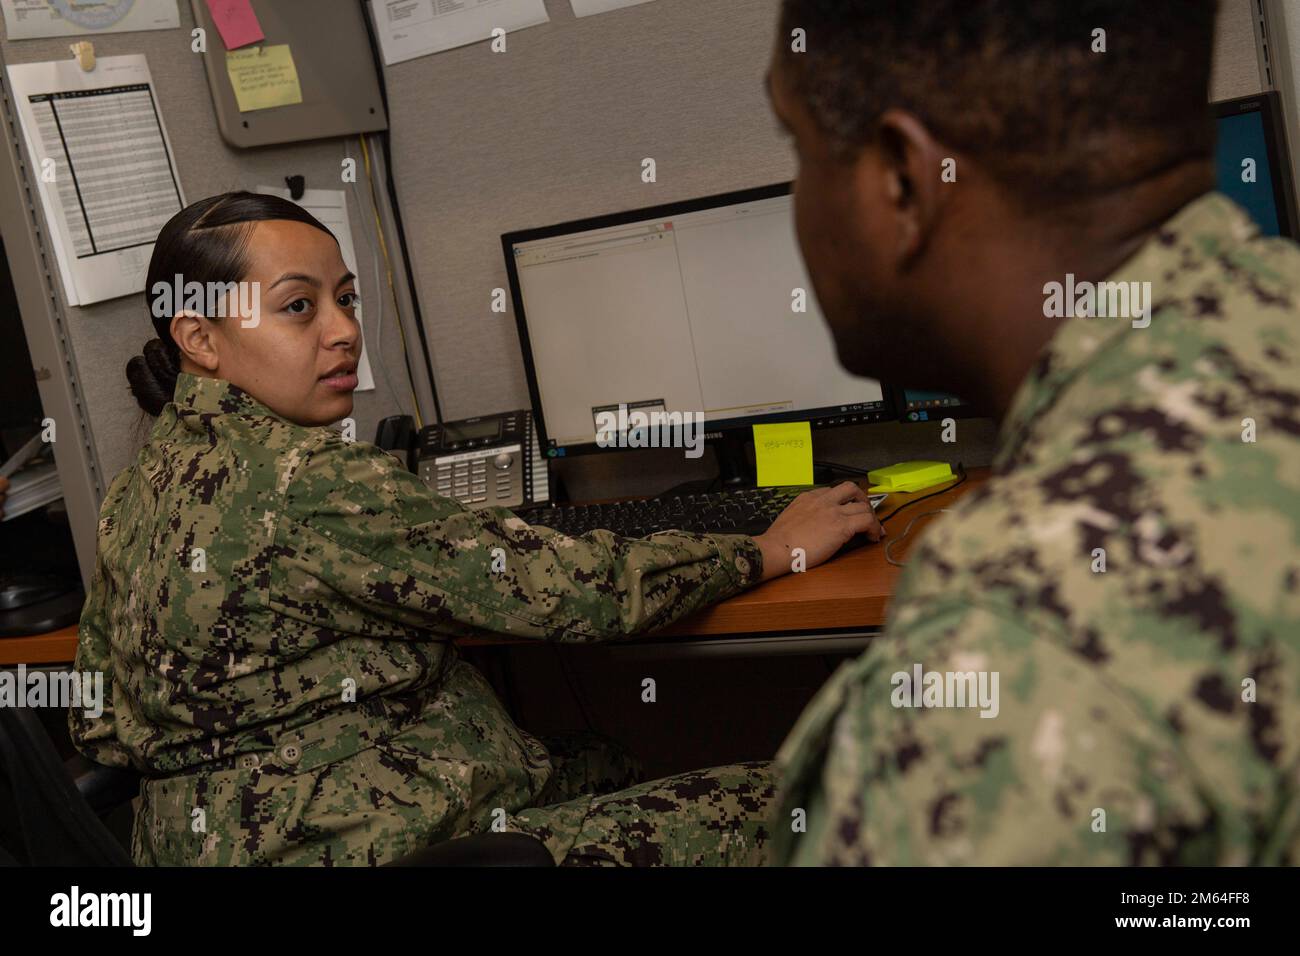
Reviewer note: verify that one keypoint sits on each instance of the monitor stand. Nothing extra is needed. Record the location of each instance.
(735, 462)
(736, 469)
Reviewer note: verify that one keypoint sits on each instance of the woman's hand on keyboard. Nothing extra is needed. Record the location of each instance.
(819, 522)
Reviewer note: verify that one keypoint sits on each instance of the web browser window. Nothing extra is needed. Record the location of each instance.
(688, 313)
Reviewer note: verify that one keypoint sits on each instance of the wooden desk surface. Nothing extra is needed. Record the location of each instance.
(56, 647)
(852, 591)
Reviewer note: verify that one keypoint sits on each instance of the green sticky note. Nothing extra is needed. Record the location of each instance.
(263, 77)
(784, 454)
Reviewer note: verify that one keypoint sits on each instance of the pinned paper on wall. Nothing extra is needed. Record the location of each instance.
(411, 28)
(236, 22)
(28, 19)
(263, 77)
(105, 168)
(330, 207)
(588, 8)
(784, 454)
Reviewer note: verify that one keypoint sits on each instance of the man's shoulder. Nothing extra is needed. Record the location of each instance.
(1170, 459)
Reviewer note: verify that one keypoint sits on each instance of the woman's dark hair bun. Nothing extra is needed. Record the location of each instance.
(204, 243)
(153, 376)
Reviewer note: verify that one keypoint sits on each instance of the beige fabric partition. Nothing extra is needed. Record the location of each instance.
(103, 336)
(555, 129)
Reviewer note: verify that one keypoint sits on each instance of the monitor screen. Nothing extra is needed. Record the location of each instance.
(1252, 165)
(929, 403)
(701, 307)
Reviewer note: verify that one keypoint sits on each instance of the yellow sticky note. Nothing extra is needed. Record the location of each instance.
(783, 453)
(263, 77)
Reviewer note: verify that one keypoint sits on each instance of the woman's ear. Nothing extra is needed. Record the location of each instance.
(194, 337)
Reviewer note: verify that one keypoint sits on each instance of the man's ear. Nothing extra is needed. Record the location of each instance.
(194, 338)
(912, 162)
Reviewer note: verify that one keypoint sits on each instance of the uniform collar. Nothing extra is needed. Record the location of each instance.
(1199, 231)
(206, 395)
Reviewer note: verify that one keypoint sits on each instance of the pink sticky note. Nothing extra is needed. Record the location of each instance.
(236, 21)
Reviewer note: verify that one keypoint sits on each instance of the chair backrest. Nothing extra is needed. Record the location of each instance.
(44, 820)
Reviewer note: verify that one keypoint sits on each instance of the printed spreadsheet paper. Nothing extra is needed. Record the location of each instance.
(100, 156)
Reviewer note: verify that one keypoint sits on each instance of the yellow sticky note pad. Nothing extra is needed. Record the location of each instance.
(263, 77)
(783, 453)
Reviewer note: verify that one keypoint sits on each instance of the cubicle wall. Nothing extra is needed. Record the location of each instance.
(86, 349)
(555, 128)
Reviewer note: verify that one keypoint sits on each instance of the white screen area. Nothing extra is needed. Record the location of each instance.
(690, 313)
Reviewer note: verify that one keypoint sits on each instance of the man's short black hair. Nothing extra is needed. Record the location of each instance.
(1016, 83)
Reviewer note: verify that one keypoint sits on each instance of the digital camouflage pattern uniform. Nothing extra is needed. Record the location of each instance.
(296, 682)
(1120, 691)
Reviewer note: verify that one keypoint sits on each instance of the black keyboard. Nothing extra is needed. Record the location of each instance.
(749, 511)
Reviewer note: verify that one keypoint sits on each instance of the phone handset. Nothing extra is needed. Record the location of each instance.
(537, 472)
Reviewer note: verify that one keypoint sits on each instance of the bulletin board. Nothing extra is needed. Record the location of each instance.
(331, 52)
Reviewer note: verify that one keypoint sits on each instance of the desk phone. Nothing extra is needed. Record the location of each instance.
(484, 461)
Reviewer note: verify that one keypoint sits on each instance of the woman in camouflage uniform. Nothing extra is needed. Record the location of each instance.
(273, 607)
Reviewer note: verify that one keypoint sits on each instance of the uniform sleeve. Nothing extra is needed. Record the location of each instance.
(95, 737)
(372, 533)
(1053, 767)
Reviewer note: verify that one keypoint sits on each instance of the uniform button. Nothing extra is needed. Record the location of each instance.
(290, 753)
(248, 761)
(742, 565)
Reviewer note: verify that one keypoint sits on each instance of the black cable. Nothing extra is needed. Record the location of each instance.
(573, 687)
(960, 470)
(836, 467)
(859, 471)
(397, 215)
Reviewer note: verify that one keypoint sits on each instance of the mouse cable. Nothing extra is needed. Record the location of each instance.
(834, 466)
(907, 504)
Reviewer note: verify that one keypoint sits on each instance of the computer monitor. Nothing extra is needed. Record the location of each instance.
(919, 405)
(701, 306)
(1253, 164)
(1249, 128)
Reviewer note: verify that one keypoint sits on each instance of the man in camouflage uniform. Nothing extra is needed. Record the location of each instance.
(1131, 571)
(273, 610)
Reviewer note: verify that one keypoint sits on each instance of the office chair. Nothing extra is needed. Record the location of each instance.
(48, 817)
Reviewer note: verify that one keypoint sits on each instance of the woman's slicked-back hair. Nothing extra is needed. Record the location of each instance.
(206, 242)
